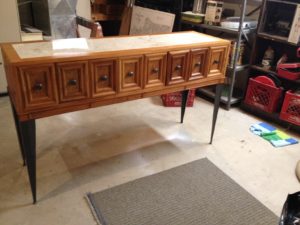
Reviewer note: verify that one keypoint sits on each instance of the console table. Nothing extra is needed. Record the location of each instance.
(59, 76)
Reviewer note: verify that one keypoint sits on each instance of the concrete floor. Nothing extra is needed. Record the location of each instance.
(95, 149)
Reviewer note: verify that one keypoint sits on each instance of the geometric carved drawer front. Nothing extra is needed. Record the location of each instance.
(216, 61)
(131, 71)
(38, 86)
(103, 74)
(177, 67)
(73, 80)
(155, 70)
(198, 64)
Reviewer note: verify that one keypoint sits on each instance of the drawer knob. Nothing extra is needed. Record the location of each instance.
(103, 78)
(38, 86)
(72, 82)
(178, 67)
(155, 70)
(130, 74)
(198, 64)
(215, 62)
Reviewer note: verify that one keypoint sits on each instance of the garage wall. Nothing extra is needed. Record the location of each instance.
(10, 31)
(83, 9)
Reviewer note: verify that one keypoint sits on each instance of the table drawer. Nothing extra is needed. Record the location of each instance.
(177, 67)
(73, 80)
(155, 70)
(217, 61)
(38, 86)
(131, 71)
(198, 64)
(103, 77)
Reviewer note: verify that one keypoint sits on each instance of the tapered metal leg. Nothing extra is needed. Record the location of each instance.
(184, 95)
(28, 134)
(216, 110)
(18, 133)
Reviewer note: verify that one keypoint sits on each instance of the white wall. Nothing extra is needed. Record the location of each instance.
(9, 31)
(83, 9)
(10, 27)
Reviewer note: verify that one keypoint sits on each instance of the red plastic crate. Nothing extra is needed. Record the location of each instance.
(290, 110)
(263, 96)
(174, 99)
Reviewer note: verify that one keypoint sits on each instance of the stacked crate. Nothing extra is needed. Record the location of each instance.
(174, 99)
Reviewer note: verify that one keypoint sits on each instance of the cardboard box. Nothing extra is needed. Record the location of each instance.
(295, 31)
(213, 12)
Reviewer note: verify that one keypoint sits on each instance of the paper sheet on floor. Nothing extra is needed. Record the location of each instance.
(276, 137)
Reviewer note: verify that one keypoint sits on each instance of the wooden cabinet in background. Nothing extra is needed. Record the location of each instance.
(107, 9)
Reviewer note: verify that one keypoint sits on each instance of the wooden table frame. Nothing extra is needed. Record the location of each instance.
(43, 86)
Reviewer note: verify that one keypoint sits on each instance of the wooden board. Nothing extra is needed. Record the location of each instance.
(149, 21)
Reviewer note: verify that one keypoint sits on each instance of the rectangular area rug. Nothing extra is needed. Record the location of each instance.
(197, 193)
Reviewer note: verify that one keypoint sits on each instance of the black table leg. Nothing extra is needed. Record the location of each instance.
(219, 88)
(28, 134)
(184, 97)
(17, 125)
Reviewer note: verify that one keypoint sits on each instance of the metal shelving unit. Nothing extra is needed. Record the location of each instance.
(224, 99)
(217, 28)
(281, 46)
(240, 33)
(272, 72)
(239, 68)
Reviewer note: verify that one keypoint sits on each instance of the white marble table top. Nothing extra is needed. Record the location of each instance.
(77, 46)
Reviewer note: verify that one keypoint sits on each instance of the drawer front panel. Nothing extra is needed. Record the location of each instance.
(155, 70)
(131, 69)
(217, 61)
(103, 76)
(198, 64)
(38, 86)
(177, 67)
(73, 81)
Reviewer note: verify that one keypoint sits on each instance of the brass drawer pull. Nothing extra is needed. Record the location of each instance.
(198, 64)
(38, 86)
(178, 67)
(216, 62)
(155, 70)
(130, 74)
(72, 82)
(103, 78)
